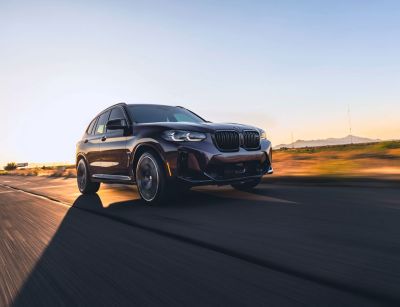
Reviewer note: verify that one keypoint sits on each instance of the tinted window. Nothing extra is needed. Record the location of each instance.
(117, 113)
(90, 129)
(154, 114)
(101, 123)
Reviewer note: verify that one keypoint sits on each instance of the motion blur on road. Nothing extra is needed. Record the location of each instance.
(287, 242)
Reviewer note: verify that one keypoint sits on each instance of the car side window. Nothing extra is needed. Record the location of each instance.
(117, 113)
(101, 123)
(90, 129)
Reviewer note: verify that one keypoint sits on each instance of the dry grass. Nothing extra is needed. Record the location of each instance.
(67, 171)
(377, 159)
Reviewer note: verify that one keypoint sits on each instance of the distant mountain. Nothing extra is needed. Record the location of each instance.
(330, 141)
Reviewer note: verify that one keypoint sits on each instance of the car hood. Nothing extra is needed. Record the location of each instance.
(200, 127)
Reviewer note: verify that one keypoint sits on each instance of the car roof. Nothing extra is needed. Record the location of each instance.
(150, 104)
(134, 104)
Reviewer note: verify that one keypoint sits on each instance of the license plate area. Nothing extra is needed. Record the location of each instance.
(239, 168)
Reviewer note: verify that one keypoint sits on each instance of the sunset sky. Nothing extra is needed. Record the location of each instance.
(285, 66)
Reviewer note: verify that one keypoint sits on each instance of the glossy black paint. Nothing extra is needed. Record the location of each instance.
(112, 154)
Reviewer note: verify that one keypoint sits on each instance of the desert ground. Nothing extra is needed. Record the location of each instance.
(377, 160)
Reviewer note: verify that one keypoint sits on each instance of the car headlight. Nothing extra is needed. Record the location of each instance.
(183, 136)
(263, 135)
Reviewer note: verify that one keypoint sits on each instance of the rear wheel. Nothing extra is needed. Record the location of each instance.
(248, 185)
(150, 178)
(85, 185)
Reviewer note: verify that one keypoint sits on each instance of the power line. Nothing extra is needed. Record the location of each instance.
(350, 128)
(292, 141)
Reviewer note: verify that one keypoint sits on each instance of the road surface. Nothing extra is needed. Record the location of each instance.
(284, 244)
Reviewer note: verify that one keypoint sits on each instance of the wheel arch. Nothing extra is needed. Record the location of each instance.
(80, 156)
(144, 147)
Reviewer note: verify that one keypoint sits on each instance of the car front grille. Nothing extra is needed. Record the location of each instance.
(230, 140)
(251, 139)
(227, 140)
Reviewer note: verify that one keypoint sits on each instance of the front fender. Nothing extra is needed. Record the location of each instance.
(137, 149)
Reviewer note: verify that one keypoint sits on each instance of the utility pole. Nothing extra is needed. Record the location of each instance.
(292, 141)
(350, 128)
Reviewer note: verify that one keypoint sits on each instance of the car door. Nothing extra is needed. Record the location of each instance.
(113, 148)
(94, 157)
(89, 146)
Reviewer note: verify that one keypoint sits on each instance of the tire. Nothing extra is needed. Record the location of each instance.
(151, 178)
(246, 186)
(85, 185)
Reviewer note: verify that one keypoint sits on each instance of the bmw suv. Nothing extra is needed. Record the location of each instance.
(165, 148)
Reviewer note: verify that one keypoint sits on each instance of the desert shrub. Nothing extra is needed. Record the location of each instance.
(10, 166)
(70, 174)
(56, 173)
(390, 145)
(33, 172)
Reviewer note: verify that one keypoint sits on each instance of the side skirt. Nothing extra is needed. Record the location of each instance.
(112, 178)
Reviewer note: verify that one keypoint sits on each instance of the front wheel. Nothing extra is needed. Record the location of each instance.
(246, 186)
(85, 185)
(150, 178)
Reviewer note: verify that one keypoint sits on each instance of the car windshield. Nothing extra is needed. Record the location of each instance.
(156, 114)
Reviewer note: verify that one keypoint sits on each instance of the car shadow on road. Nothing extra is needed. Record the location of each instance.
(189, 198)
(80, 248)
(78, 264)
(88, 259)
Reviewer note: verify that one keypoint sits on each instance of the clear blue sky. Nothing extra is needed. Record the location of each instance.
(282, 65)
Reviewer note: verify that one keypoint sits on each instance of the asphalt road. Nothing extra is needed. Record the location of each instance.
(284, 244)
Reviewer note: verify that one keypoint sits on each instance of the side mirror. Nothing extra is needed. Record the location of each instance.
(116, 124)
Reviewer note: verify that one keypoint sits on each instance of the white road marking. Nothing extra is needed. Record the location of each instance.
(56, 201)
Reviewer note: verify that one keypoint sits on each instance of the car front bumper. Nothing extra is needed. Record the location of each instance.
(201, 163)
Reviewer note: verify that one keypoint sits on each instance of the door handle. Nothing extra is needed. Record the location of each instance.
(85, 141)
(103, 138)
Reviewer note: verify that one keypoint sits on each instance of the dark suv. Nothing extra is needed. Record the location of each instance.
(163, 148)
